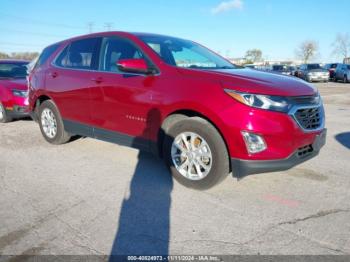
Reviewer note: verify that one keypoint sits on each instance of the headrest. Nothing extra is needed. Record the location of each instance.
(75, 58)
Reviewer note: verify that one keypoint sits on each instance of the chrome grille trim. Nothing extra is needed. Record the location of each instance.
(310, 118)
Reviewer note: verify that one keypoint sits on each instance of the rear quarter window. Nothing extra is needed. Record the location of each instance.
(46, 53)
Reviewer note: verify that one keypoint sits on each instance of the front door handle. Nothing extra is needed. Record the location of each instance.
(97, 80)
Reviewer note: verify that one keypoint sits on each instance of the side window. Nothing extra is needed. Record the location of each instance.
(46, 53)
(62, 59)
(156, 47)
(81, 54)
(114, 49)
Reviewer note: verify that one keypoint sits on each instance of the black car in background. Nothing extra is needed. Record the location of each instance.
(282, 69)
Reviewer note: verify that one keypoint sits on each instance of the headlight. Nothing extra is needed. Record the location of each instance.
(20, 93)
(274, 103)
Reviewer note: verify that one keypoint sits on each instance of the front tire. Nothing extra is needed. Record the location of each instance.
(51, 124)
(4, 117)
(345, 79)
(195, 153)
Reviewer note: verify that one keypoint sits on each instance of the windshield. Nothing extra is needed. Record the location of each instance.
(186, 54)
(13, 70)
(313, 66)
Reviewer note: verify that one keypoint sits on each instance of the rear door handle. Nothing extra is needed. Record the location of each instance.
(53, 74)
(97, 80)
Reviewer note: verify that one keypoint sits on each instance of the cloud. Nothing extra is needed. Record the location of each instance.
(227, 6)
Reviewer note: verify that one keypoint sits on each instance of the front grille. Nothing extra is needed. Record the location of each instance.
(305, 151)
(309, 118)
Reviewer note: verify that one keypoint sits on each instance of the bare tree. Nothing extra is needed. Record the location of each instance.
(253, 55)
(341, 45)
(307, 50)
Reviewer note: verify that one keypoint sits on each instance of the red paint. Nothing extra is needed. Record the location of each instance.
(115, 100)
(282, 201)
(8, 84)
(136, 64)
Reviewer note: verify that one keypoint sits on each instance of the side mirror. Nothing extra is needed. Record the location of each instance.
(134, 65)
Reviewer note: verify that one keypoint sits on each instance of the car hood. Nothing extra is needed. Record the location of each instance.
(9, 83)
(257, 82)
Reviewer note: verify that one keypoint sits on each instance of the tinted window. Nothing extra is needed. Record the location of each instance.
(279, 67)
(62, 58)
(115, 49)
(184, 53)
(313, 66)
(81, 54)
(47, 52)
(13, 70)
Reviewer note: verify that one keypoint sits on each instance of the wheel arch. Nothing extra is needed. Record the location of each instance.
(37, 102)
(174, 116)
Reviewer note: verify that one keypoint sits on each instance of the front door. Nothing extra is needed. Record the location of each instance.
(122, 108)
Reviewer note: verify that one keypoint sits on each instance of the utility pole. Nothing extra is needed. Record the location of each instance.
(108, 26)
(90, 26)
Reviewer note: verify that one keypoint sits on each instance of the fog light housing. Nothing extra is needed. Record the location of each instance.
(253, 142)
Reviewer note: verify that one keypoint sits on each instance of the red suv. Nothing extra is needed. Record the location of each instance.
(13, 90)
(205, 116)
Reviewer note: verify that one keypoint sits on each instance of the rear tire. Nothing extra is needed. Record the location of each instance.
(345, 80)
(51, 124)
(4, 117)
(203, 149)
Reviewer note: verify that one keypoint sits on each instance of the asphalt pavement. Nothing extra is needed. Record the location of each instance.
(93, 197)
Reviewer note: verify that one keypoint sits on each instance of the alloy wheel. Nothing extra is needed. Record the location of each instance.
(191, 156)
(2, 112)
(49, 123)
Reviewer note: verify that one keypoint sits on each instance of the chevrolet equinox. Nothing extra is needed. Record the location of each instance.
(204, 115)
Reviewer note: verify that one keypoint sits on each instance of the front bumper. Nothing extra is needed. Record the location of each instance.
(241, 168)
(17, 111)
(316, 78)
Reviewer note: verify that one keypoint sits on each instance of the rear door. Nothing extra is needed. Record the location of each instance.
(70, 79)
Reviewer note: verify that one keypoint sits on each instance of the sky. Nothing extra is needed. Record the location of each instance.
(230, 27)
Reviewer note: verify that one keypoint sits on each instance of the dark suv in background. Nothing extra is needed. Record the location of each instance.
(342, 72)
(331, 69)
(282, 69)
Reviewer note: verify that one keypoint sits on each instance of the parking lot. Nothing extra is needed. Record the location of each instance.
(93, 197)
